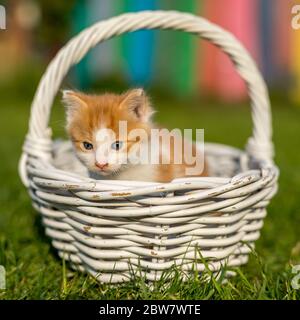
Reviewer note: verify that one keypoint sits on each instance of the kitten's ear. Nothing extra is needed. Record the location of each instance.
(73, 101)
(138, 104)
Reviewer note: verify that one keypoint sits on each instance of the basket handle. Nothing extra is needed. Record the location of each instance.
(39, 136)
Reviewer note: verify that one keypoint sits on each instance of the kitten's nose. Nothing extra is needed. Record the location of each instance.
(101, 165)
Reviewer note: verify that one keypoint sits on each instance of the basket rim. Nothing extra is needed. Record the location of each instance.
(45, 176)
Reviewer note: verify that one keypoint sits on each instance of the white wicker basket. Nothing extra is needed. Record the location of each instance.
(112, 228)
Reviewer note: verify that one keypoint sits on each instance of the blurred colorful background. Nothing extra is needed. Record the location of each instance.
(192, 85)
(174, 62)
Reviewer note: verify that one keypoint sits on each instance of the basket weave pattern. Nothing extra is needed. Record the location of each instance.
(111, 228)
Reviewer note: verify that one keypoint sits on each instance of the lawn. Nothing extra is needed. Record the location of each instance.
(35, 272)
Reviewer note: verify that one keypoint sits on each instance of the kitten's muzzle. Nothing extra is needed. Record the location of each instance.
(101, 165)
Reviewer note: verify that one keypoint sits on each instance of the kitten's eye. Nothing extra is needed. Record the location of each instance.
(117, 145)
(87, 145)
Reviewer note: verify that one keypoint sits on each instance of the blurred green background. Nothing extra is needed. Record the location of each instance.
(35, 31)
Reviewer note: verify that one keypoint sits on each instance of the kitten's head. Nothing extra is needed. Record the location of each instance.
(93, 123)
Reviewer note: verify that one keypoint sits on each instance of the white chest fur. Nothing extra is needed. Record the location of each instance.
(143, 172)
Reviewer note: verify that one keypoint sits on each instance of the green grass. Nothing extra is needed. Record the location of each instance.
(35, 272)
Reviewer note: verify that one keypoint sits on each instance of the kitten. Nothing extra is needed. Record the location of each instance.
(93, 125)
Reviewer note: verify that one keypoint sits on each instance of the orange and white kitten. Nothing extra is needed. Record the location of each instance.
(89, 116)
